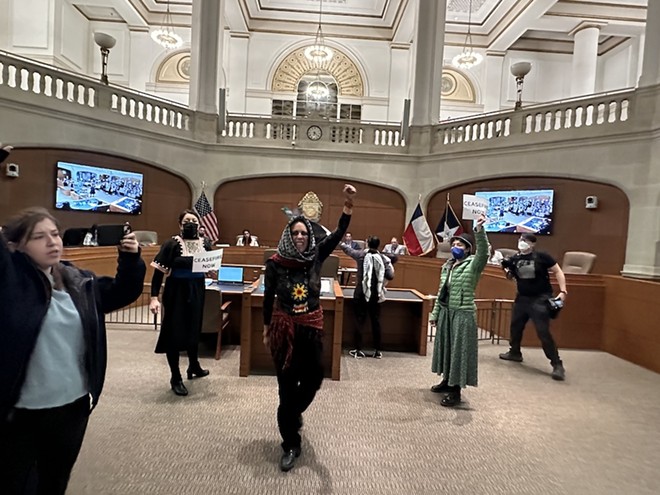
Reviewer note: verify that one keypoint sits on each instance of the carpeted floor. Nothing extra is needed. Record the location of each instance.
(378, 431)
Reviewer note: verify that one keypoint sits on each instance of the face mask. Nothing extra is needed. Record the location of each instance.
(457, 252)
(189, 230)
(523, 246)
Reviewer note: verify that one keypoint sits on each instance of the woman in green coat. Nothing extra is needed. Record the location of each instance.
(455, 315)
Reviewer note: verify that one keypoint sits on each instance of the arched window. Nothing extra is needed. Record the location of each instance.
(307, 86)
(317, 96)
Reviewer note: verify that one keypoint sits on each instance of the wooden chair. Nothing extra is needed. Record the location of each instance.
(215, 317)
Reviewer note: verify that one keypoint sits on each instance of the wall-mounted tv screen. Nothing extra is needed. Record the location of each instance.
(519, 211)
(86, 188)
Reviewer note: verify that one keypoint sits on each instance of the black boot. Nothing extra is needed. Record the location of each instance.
(178, 387)
(196, 371)
(453, 398)
(441, 388)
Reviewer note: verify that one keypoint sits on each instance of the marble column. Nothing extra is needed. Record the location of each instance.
(585, 59)
(493, 81)
(651, 61)
(206, 55)
(429, 52)
(399, 80)
(239, 44)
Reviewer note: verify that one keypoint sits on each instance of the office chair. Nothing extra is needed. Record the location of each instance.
(330, 267)
(507, 252)
(579, 262)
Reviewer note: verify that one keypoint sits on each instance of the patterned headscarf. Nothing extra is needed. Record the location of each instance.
(287, 248)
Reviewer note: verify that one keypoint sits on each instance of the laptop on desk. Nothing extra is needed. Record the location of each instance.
(230, 275)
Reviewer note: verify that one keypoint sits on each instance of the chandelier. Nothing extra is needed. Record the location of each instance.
(165, 35)
(468, 58)
(318, 90)
(319, 53)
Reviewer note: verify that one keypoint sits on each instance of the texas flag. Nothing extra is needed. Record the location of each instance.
(449, 224)
(418, 237)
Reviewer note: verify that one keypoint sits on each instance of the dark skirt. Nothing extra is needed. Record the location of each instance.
(183, 307)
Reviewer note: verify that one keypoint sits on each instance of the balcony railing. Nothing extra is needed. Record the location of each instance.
(597, 113)
(291, 130)
(33, 83)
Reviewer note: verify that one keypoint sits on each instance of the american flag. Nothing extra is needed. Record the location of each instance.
(207, 217)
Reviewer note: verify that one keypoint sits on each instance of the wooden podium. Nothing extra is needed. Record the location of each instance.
(255, 358)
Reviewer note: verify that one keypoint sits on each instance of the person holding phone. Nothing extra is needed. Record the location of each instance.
(455, 315)
(53, 352)
(183, 300)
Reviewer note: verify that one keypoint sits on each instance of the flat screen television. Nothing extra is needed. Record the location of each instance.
(519, 211)
(85, 188)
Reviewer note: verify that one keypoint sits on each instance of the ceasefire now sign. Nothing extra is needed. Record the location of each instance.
(207, 261)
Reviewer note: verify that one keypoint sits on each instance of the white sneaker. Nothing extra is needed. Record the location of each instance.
(357, 354)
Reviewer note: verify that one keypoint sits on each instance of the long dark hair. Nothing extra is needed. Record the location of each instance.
(19, 228)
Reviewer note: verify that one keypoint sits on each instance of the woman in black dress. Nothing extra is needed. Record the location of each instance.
(183, 299)
(293, 326)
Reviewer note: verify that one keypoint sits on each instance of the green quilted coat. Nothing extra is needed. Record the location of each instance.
(455, 348)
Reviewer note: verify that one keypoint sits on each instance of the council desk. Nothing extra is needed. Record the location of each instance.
(404, 317)
(255, 358)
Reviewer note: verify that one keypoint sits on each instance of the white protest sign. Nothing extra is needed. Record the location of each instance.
(207, 261)
(473, 207)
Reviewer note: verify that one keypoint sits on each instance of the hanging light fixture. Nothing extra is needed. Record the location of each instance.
(317, 89)
(165, 35)
(468, 58)
(319, 53)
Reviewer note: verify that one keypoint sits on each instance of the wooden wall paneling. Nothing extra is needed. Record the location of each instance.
(256, 204)
(579, 325)
(165, 194)
(602, 231)
(630, 321)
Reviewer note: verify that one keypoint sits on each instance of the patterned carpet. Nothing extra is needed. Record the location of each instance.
(378, 431)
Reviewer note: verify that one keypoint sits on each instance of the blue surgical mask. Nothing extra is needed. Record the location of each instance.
(458, 252)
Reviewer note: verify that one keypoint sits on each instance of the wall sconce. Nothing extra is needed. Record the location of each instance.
(105, 41)
(519, 71)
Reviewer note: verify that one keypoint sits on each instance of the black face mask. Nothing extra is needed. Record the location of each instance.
(189, 230)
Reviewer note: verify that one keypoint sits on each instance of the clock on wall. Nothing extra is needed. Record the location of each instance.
(314, 132)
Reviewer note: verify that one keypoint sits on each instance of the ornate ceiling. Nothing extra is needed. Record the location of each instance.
(497, 25)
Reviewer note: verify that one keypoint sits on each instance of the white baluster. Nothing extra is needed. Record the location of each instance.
(625, 105)
(612, 116)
